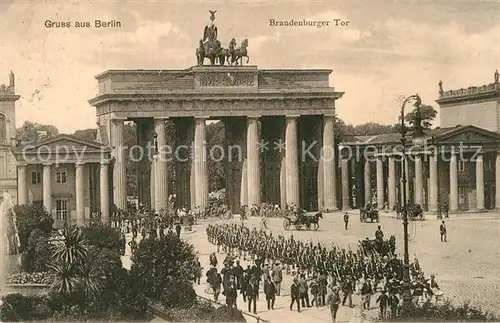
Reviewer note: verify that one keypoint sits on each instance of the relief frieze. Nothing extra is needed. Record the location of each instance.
(226, 79)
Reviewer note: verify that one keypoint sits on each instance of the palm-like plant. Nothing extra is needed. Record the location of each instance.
(91, 278)
(73, 250)
(65, 279)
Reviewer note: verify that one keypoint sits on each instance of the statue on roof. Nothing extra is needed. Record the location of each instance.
(209, 46)
(496, 77)
(441, 87)
(210, 32)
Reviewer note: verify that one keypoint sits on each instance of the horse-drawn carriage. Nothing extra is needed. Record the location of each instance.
(307, 220)
(382, 247)
(415, 212)
(368, 213)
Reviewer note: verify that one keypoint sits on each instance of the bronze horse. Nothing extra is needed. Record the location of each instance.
(211, 50)
(237, 54)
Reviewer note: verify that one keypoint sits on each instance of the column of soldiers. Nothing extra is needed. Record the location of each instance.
(315, 267)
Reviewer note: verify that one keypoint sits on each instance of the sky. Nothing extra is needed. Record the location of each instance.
(389, 49)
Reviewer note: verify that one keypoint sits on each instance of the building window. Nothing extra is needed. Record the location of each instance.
(36, 178)
(61, 177)
(3, 128)
(461, 194)
(62, 210)
(461, 166)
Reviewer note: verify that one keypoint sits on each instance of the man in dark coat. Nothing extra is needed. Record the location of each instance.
(322, 283)
(270, 291)
(251, 294)
(295, 294)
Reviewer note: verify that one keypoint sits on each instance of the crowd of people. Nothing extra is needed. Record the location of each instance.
(316, 268)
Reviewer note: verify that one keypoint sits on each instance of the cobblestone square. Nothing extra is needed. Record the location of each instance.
(466, 267)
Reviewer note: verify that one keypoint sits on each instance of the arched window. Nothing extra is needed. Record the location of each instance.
(3, 128)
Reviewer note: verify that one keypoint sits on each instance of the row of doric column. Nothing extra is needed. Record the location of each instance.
(433, 189)
(250, 182)
(79, 189)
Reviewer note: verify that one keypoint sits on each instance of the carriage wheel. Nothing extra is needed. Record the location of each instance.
(315, 226)
(286, 224)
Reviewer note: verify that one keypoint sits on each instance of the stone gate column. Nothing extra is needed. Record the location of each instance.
(346, 188)
(480, 182)
(47, 187)
(453, 183)
(283, 195)
(119, 168)
(200, 161)
(392, 183)
(380, 182)
(22, 183)
(328, 161)
(104, 192)
(292, 163)
(497, 180)
(320, 183)
(418, 180)
(368, 183)
(433, 181)
(253, 161)
(80, 194)
(161, 167)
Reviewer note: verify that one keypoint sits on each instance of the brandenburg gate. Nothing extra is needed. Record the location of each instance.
(282, 122)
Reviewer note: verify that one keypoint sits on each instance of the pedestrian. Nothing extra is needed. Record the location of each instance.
(314, 291)
(383, 300)
(346, 219)
(277, 277)
(178, 230)
(366, 293)
(442, 230)
(295, 294)
(216, 282)
(322, 283)
(304, 291)
(270, 291)
(251, 295)
(333, 301)
(133, 246)
(394, 303)
(347, 289)
(199, 270)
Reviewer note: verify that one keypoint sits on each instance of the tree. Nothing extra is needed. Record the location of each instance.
(86, 134)
(30, 218)
(29, 131)
(371, 129)
(216, 157)
(165, 269)
(427, 113)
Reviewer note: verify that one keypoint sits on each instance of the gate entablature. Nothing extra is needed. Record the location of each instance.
(214, 92)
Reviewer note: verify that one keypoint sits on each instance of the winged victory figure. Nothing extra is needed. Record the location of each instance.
(210, 32)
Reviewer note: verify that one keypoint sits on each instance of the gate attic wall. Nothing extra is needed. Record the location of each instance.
(214, 92)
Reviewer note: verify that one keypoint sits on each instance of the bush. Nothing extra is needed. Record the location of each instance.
(30, 278)
(164, 269)
(103, 237)
(37, 252)
(30, 218)
(202, 311)
(430, 312)
(18, 308)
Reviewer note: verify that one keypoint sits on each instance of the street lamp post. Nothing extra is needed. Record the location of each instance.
(418, 132)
